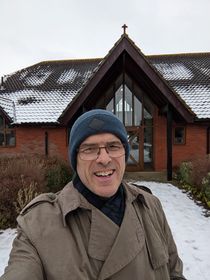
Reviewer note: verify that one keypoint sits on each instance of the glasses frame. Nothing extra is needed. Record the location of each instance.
(95, 156)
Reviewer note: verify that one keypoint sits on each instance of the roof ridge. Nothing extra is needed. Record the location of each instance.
(57, 61)
(71, 59)
(193, 54)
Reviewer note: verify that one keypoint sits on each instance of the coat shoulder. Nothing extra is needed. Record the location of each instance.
(40, 199)
(144, 193)
(144, 188)
(138, 189)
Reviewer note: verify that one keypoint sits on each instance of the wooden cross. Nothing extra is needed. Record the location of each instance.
(124, 28)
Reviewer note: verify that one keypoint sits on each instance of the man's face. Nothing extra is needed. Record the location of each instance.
(104, 174)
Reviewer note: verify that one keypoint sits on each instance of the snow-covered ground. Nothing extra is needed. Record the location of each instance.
(191, 230)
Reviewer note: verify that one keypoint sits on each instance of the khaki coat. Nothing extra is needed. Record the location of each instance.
(63, 237)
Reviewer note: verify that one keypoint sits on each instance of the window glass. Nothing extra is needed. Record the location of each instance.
(119, 103)
(148, 120)
(148, 111)
(127, 107)
(138, 111)
(10, 138)
(7, 134)
(179, 135)
(148, 144)
(110, 106)
(1, 138)
(133, 140)
(1, 122)
(128, 104)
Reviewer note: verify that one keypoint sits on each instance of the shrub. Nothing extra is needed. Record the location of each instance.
(200, 169)
(15, 174)
(57, 176)
(7, 210)
(206, 188)
(184, 172)
(25, 195)
(22, 178)
(195, 178)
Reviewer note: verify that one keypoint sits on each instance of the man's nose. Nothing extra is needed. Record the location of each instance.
(103, 156)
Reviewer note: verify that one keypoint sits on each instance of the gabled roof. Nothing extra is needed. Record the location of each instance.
(140, 67)
(45, 92)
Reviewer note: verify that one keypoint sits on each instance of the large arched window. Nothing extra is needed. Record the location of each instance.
(129, 102)
(126, 106)
(7, 134)
(135, 109)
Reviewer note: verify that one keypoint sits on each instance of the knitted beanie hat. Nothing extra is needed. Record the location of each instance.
(95, 122)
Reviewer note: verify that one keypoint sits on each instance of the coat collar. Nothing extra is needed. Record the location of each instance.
(70, 199)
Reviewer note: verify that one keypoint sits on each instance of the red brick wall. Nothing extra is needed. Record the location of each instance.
(159, 143)
(31, 140)
(194, 147)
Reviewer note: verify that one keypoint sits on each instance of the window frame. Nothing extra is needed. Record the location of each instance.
(175, 142)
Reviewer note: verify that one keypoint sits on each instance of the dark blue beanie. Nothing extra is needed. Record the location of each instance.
(95, 122)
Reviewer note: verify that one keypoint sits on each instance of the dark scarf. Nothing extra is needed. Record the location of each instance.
(113, 207)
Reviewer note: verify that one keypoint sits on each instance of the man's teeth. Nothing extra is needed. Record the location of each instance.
(104, 173)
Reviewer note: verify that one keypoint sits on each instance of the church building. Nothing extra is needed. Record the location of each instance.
(163, 100)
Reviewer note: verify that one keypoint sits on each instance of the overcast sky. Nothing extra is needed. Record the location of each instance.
(32, 31)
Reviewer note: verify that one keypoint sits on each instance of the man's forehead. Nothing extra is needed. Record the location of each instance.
(101, 138)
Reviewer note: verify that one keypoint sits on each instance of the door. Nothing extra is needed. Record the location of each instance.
(135, 160)
(141, 155)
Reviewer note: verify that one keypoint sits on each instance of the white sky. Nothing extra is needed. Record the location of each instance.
(32, 31)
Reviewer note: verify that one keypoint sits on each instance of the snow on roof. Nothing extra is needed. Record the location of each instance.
(197, 97)
(40, 107)
(42, 92)
(189, 76)
(40, 77)
(176, 71)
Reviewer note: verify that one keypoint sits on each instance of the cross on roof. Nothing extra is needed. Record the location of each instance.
(124, 28)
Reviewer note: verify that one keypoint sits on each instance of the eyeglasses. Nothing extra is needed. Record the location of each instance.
(92, 151)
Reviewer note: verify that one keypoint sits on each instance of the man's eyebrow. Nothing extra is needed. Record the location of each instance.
(85, 145)
(114, 142)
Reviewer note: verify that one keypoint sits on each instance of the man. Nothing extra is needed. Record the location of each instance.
(97, 227)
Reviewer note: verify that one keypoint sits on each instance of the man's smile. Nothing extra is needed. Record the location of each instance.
(105, 173)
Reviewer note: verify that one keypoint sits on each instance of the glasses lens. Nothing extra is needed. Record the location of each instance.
(115, 150)
(92, 152)
(89, 153)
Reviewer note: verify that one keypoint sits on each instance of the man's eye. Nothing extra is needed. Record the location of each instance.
(114, 147)
(89, 150)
